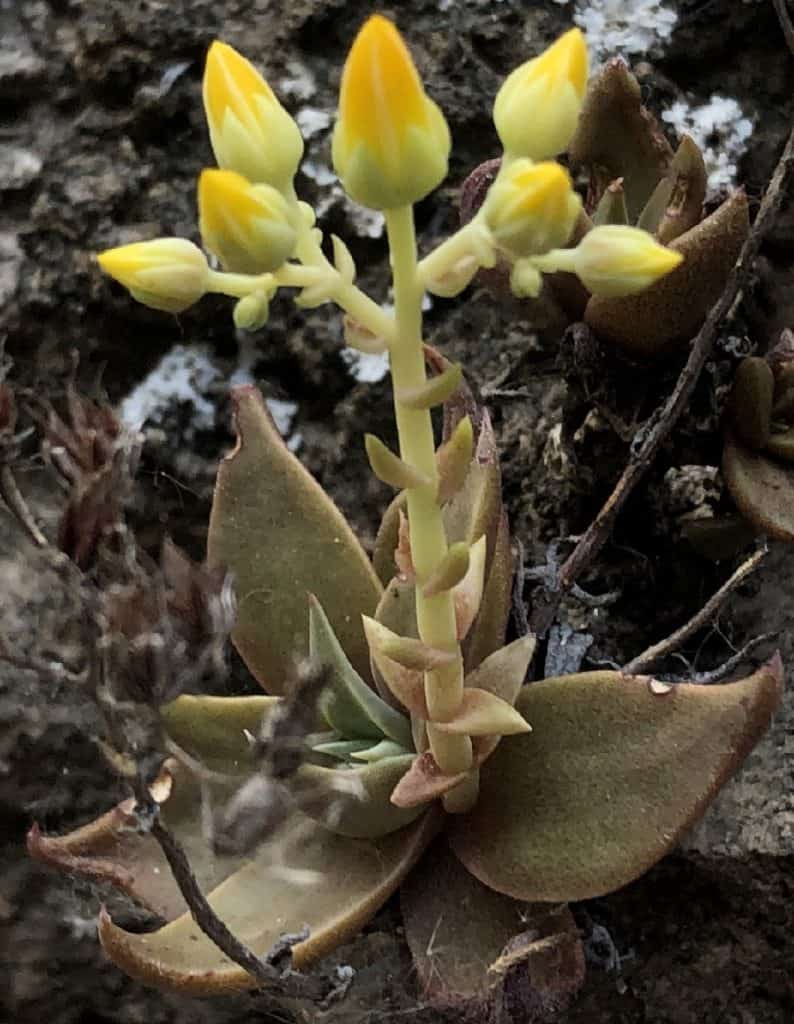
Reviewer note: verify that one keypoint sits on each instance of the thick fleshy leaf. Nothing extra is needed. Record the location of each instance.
(424, 781)
(467, 595)
(397, 611)
(666, 315)
(386, 540)
(611, 208)
(468, 941)
(685, 207)
(216, 729)
(272, 525)
(484, 714)
(618, 138)
(353, 878)
(613, 772)
(762, 488)
(363, 809)
(488, 632)
(390, 468)
(503, 672)
(407, 651)
(349, 705)
(406, 685)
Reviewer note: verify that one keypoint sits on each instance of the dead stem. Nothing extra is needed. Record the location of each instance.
(12, 496)
(673, 642)
(655, 432)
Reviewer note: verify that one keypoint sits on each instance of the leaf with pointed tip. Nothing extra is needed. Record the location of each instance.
(405, 684)
(390, 468)
(464, 968)
(484, 714)
(618, 138)
(387, 539)
(355, 801)
(503, 672)
(651, 214)
(453, 460)
(407, 651)
(272, 526)
(397, 611)
(762, 488)
(467, 595)
(488, 632)
(611, 208)
(423, 782)
(685, 207)
(349, 705)
(435, 391)
(611, 776)
(449, 571)
(666, 315)
(343, 750)
(216, 729)
(750, 402)
(381, 751)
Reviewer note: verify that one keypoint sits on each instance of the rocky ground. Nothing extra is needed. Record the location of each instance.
(103, 136)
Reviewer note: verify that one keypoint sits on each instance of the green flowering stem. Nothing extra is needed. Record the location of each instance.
(465, 242)
(435, 614)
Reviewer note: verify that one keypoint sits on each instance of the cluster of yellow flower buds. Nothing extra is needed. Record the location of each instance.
(390, 148)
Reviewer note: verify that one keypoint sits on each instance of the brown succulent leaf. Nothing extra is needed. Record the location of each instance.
(271, 526)
(488, 632)
(611, 207)
(353, 878)
(397, 611)
(406, 685)
(528, 953)
(750, 402)
(503, 672)
(614, 771)
(666, 315)
(484, 714)
(762, 488)
(689, 178)
(423, 782)
(618, 138)
(387, 540)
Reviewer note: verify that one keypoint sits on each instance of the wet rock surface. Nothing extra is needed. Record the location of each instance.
(103, 137)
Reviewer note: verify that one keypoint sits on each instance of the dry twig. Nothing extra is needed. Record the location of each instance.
(655, 432)
(673, 642)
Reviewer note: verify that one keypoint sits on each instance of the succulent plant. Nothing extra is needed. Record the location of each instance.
(758, 458)
(637, 179)
(428, 761)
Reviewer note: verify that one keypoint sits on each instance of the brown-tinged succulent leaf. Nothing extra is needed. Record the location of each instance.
(503, 672)
(349, 705)
(386, 540)
(397, 611)
(469, 942)
(750, 403)
(216, 730)
(666, 315)
(408, 651)
(453, 459)
(468, 593)
(613, 772)
(424, 781)
(762, 488)
(781, 445)
(651, 214)
(611, 208)
(484, 714)
(272, 525)
(488, 632)
(362, 809)
(405, 684)
(260, 904)
(689, 178)
(111, 849)
(618, 138)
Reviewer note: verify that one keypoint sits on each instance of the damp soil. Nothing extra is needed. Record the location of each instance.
(103, 137)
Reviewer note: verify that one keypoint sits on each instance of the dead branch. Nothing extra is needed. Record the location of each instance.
(702, 618)
(652, 435)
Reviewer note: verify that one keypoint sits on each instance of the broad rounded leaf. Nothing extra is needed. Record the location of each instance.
(666, 315)
(762, 488)
(612, 774)
(279, 533)
(467, 940)
(354, 877)
(216, 729)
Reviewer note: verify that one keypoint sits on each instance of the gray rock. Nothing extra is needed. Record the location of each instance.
(18, 168)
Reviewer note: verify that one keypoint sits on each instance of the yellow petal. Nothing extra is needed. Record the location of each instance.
(231, 82)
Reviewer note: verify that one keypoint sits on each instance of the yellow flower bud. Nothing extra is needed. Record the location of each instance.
(614, 260)
(391, 142)
(248, 227)
(250, 131)
(537, 108)
(166, 273)
(531, 208)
